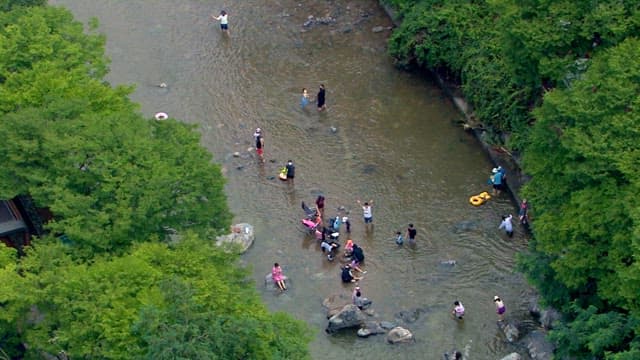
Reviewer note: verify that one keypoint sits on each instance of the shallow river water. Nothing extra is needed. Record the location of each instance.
(387, 136)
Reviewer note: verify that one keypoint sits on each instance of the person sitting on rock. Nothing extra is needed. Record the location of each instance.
(278, 276)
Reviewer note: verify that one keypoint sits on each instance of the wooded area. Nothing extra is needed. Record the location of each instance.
(559, 81)
(115, 182)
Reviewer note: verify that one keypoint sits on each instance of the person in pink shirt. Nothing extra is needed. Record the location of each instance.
(278, 277)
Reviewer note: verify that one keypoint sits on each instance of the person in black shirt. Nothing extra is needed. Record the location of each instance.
(259, 144)
(291, 170)
(347, 275)
(321, 98)
(411, 234)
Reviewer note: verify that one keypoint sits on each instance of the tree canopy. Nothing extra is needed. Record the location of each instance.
(583, 158)
(115, 182)
(77, 146)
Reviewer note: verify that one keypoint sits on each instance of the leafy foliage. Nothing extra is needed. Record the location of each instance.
(6, 5)
(506, 52)
(584, 154)
(110, 177)
(189, 301)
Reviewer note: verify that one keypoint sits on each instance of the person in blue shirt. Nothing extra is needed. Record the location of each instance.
(497, 179)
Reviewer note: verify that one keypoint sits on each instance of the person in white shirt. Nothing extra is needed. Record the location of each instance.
(366, 211)
(224, 20)
(507, 225)
(458, 310)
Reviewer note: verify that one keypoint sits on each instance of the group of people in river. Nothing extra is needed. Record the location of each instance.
(320, 98)
(458, 309)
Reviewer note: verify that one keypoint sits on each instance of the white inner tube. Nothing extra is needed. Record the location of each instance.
(161, 116)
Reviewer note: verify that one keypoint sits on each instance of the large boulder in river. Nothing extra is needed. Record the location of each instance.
(241, 237)
(334, 303)
(512, 356)
(350, 316)
(399, 335)
(510, 331)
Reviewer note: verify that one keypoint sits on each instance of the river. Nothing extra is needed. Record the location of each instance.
(387, 136)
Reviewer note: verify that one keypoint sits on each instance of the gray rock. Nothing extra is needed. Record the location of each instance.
(370, 328)
(409, 316)
(349, 317)
(538, 345)
(534, 307)
(510, 331)
(399, 335)
(548, 317)
(387, 325)
(512, 356)
(241, 237)
(236, 154)
(364, 303)
(326, 20)
(377, 29)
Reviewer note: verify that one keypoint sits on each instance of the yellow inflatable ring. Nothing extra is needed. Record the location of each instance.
(480, 199)
(161, 116)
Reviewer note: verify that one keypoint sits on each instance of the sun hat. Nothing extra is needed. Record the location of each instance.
(345, 219)
(496, 298)
(495, 170)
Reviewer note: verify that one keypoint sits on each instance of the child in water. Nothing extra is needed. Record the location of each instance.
(399, 239)
(304, 100)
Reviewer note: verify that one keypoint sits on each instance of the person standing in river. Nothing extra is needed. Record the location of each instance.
(500, 308)
(224, 21)
(321, 98)
(320, 205)
(507, 225)
(523, 214)
(411, 234)
(291, 170)
(259, 143)
(367, 212)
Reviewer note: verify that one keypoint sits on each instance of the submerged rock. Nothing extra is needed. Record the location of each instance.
(510, 331)
(370, 328)
(399, 335)
(241, 236)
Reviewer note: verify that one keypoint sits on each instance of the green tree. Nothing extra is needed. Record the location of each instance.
(6, 5)
(184, 329)
(190, 300)
(583, 160)
(76, 145)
